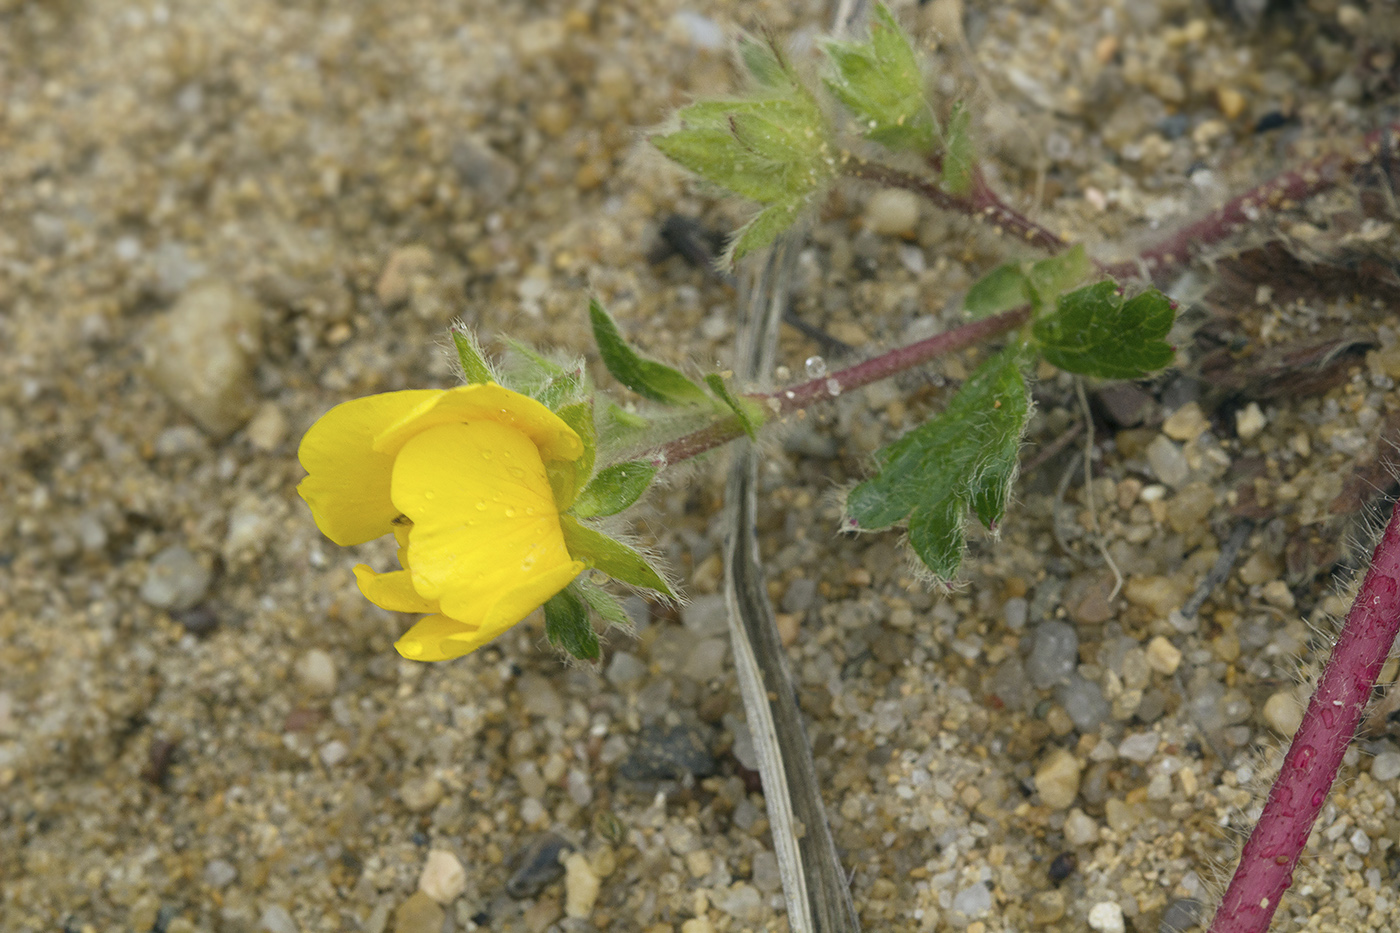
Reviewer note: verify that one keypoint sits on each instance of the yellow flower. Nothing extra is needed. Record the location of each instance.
(458, 476)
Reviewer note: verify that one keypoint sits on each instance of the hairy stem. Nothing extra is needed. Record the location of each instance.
(980, 202)
(1281, 192)
(1266, 864)
(794, 398)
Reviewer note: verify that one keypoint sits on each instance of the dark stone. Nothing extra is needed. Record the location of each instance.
(668, 754)
(199, 621)
(536, 866)
(1062, 866)
(1181, 914)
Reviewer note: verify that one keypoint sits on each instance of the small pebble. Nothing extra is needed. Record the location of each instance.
(1054, 654)
(219, 874)
(973, 901)
(537, 866)
(706, 616)
(202, 351)
(1249, 421)
(268, 428)
(1086, 597)
(698, 863)
(892, 212)
(1284, 713)
(1186, 423)
(1057, 779)
(740, 901)
(1277, 594)
(419, 914)
(625, 669)
(668, 754)
(1080, 828)
(275, 919)
(1167, 461)
(1083, 700)
(698, 925)
(1162, 656)
(1181, 915)
(420, 794)
(333, 753)
(1139, 747)
(443, 878)
(1106, 917)
(175, 580)
(1386, 766)
(316, 670)
(1047, 907)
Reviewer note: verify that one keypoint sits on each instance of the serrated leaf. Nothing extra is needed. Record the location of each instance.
(964, 458)
(1094, 332)
(1050, 278)
(611, 557)
(606, 605)
(762, 230)
(1002, 289)
(475, 368)
(880, 83)
(614, 489)
(750, 415)
(958, 157)
(716, 156)
(566, 624)
(567, 477)
(647, 378)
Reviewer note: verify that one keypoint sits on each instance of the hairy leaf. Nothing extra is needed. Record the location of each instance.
(647, 378)
(964, 458)
(750, 415)
(1095, 332)
(1002, 289)
(879, 82)
(614, 489)
(611, 557)
(475, 368)
(566, 624)
(605, 604)
(958, 157)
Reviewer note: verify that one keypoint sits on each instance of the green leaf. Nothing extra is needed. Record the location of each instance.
(475, 369)
(964, 458)
(1050, 278)
(1002, 289)
(748, 412)
(647, 378)
(566, 624)
(606, 605)
(567, 477)
(1094, 332)
(614, 489)
(716, 156)
(611, 557)
(957, 152)
(880, 83)
(763, 63)
(762, 230)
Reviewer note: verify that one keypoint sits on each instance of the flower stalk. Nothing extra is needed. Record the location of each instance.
(1269, 858)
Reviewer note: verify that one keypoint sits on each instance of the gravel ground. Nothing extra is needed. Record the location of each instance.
(218, 220)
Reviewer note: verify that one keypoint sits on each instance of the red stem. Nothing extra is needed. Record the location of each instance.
(1266, 865)
(786, 401)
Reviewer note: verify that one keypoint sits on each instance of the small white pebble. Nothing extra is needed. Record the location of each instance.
(443, 878)
(334, 752)
(1139, 747)
(1186, 423)
(1386, 766)
(1249, 421)
(1284, 713)
(580, 886)
(317, 671)
(892, 213)
(1057, 779)
(1080, 828)
(1106, 917)
(1276, 593)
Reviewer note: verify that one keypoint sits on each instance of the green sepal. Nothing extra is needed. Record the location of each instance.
(566, 624)
(611, 557)
(540, 377)
(763, 62)
(614, 489)
(880, 83)
(1002, 289)
(749, 413)
(761, 231)
(958, 157)
(1095, 332)
(647, 378)
(1050, 278)
(566, 477)
(475, 368)
(606, 605)
(964, 458)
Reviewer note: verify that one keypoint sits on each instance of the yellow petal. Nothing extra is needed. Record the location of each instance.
(484, 519)
(392, 591)
(485, 401)
(348, 485)
(441, 638)
(434, 638)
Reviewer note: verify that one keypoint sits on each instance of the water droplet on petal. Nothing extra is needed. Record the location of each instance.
(816, 367)
(510, 513)
(487, 453)
(481, 505)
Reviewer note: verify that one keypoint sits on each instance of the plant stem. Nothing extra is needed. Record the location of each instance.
(822, 388)
(1282, 192)
(980, 202)
(1266, 864)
